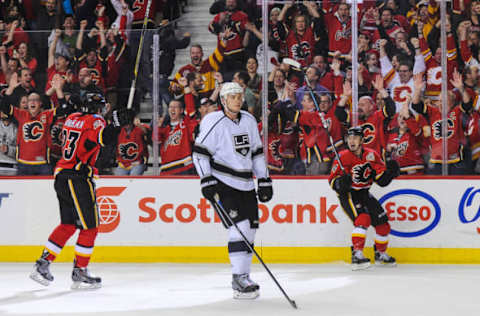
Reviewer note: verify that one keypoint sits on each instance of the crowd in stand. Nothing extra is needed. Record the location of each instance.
(309, 79)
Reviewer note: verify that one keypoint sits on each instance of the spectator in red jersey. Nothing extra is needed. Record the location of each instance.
(175, 136)
(132, 151)
(455, 136)
(25, 57)
(57, 63)
(404, 145)
(301, 39)
(373, 122)
(234, 21)
(91, 57)
(206, 67)
(33, 139)
(15, 34)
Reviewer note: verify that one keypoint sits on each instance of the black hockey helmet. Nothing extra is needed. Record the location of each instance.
(355, 131)
(92, 102)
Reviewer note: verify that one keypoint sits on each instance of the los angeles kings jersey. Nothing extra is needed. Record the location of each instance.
(231, 151)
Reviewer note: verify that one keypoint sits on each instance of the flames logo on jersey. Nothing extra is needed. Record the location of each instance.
(56, 133)
(361, 173)
(174, 139)
(300, 52)
(343, 34)
(32, 131)
(434, 76)
(368, 133)
(400, 93)
(274, 148)
(437, 129)
(401, 149)
(128, 151)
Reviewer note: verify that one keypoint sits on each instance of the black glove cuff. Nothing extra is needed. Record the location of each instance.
(208, 181)
(264, 182)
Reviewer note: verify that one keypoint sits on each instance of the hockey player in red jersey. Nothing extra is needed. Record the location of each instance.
(351, 178)
(83, 133)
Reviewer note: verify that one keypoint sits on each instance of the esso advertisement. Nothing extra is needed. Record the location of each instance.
(469, 206)
(411, 212)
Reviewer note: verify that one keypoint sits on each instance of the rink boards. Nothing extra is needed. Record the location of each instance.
(167, 220)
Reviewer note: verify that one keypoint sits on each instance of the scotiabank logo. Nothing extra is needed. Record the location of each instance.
(108, 210)
(469, 212)
(279, 213)
(411, 212)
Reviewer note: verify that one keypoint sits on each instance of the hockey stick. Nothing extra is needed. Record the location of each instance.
(225, 215)
(139, 54)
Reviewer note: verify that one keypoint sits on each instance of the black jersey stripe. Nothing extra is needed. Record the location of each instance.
(201, 151)
(224, 169)
(257, 152)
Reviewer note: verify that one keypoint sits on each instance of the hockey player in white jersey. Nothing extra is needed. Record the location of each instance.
(227, 153)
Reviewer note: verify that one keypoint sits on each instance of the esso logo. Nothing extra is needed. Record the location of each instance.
(412, 212)
(109, 213)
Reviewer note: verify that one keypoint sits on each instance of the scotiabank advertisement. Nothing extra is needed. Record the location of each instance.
(438, 213)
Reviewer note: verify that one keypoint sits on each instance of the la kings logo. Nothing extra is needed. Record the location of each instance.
(242, 144)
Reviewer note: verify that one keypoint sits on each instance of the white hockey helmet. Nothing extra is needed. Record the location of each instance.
(230, 88)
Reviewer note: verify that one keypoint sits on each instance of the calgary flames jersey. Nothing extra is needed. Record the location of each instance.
(131, 147)
(363, 170)
(82, 139)
(33, 136)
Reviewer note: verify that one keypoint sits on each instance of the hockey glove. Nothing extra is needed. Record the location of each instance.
(265, 190)
(122, 117)
(209, 187)
(343, 184)
(393, 168)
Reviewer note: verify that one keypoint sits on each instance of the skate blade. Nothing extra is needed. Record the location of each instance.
(361, 266)
(385, 264)
(37, 277)
(245, 295)
(85, 286)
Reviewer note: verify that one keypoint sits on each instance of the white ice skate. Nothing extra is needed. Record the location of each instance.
(244, 288)
(41, 272)
(82, 280)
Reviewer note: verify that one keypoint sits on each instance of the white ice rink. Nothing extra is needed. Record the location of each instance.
(204, 289)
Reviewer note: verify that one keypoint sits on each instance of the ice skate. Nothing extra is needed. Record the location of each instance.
(82, 280)
(359, 261)
(384, 259)
(244, 288)
(41, 272)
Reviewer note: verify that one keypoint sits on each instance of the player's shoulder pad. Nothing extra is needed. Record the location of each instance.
(248, 115)
(212, 118)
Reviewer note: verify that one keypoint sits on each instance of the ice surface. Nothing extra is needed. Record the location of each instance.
(204, 289)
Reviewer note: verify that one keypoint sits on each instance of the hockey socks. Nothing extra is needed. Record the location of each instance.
(84, 246)
(57, 239)
(381, 237)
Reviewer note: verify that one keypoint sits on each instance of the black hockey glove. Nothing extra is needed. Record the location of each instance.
(265, 190)
(343, 184)
(209, 187)
(393, 168)
(122, 117)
